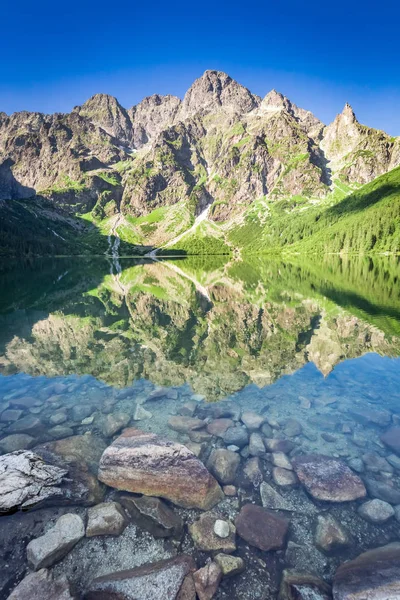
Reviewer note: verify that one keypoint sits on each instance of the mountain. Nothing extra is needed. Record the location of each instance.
(186, 175)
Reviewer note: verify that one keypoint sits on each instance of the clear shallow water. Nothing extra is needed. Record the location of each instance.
(314, 343)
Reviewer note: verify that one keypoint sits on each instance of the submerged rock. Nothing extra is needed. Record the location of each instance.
(16, 441)
(218, 427)
(141, 413)
(207, 580)
(303, 586)
(277, 445)
(222, 528)
(366, 416)
(80, 454)
(145, 463)
(270, 498)
(256, 445)
(391, 438)
(114, 422)
(376, 464)
(229, 565)
(153, 515)
(184, 424)
(162, 580)
(261, 528)
(376, 511)
(326, 478)
(51, 547)
(283, 477)
(238, 436)
(204, 537)
(42, 586)
(279, 459)
(28, 424)
(383, 491)
(107, 518)
(252, 472)
(223, 464)
(374, 575)
(252, 420)
(26, 480)
(330, 536)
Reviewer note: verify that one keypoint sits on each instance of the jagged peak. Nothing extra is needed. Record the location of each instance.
(275, 101)
(215, 90)
(102, 99)
(348, 113)
(157, 100)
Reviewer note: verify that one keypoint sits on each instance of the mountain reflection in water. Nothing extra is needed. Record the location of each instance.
(215, 325)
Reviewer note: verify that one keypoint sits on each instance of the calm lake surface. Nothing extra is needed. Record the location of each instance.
(313, 346)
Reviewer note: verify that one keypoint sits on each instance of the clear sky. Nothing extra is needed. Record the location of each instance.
(55, 55)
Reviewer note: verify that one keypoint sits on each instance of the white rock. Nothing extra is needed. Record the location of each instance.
(25, 480)
(221, 528)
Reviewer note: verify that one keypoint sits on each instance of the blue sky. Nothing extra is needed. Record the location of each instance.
(55, 55)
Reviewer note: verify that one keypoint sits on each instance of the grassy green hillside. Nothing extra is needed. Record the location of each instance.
(364, 221)
(368, 220)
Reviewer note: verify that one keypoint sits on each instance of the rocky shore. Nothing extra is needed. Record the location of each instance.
(153, 493)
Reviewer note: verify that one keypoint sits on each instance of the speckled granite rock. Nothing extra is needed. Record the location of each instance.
(154, 581)
(374, 575)
(326, 478)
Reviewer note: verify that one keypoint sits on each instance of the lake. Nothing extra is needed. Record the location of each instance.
(310, 347)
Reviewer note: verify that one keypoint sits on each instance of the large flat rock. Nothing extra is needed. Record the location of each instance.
(144, 463)
(374, 575)
(327, 478)
(162, 580)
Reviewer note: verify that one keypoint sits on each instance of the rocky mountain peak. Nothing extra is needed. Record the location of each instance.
(274, 101)
(216, 90)
(152, 115)
(106, 112)
(348, 114)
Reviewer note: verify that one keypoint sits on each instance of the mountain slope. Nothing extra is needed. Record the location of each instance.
(368, 220)
(146, 173)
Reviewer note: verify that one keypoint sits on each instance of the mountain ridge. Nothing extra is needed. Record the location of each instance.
(221, 148)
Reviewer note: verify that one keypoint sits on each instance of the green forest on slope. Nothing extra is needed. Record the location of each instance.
(366, 221)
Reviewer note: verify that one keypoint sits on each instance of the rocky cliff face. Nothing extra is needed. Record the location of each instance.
(221, 146)
(356, 153)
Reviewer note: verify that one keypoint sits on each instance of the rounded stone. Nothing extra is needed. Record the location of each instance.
(221, 528)
(376, 511)
(237, 436)
(223, 464)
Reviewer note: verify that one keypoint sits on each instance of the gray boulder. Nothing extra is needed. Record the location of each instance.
(223, 464)
(42, 586)
(51, 547)
(376, 511)
(152, 514)
(106, 518)
(237, 436)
